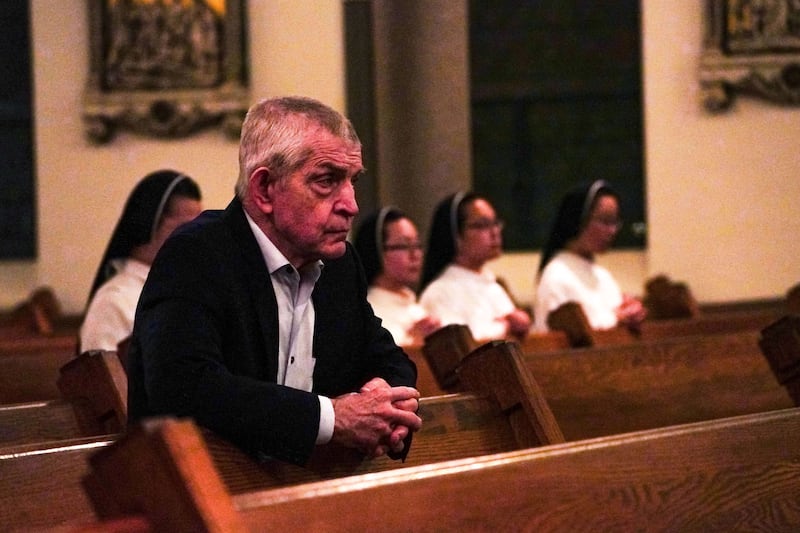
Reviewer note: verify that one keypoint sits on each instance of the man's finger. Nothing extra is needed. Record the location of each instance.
(408, 419)
(404, 393)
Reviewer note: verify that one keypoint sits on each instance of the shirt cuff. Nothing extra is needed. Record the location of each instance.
(327, 418)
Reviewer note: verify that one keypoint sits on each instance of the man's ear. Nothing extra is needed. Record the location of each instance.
(262, 186)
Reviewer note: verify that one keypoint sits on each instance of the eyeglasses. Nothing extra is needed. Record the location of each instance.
(609, 222)
(404, 247)
(485, 224)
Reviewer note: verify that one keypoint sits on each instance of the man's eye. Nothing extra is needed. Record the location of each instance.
(326, 181)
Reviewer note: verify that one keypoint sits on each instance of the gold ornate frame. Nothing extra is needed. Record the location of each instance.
(750, 48)
(165, 68)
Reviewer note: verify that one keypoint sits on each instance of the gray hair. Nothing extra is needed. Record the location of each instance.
(274, 135)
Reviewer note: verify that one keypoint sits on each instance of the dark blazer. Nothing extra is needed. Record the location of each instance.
(205, 340)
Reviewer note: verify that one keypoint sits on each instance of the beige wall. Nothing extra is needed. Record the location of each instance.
(720, 189)
(297, 48)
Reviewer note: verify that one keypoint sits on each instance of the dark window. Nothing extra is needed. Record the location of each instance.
(17, 211)
(556, 101)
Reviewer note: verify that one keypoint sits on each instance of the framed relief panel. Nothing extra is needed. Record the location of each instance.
(750, 48)
(165, 68)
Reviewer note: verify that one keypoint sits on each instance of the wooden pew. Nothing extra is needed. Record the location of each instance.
(45, 444)
(240, 475)
(40, 484)
(93, 389)
(455, 426)
(29, 367)
(29, 317)
(665, 298)
(38, 315)
(608, 390)
(571, 321)
(96, 385)
(780, 343)
(23, 423)
(36, 339)
(430, 445)
(733, 474)
(443, 349)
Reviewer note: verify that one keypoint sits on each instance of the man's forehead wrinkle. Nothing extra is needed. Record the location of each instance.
(336, 160)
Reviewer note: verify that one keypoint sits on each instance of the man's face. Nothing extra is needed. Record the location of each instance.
(313, 208)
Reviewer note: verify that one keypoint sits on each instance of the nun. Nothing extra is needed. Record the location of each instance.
(586, 223)
(457, 286)
(387, 241)
(160, 202)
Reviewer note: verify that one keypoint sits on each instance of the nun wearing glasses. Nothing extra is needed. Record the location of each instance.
(457, 285)
(387, 241)
(586, 223)
(160, 202)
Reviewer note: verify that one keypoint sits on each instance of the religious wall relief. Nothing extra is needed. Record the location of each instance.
(165, 68)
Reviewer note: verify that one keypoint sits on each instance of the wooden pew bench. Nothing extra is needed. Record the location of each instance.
(36, 339)
(442, 351)
(240, 475)
(455, 426)
(29, 368)
(40, 484)
(733, 474)
(709, 323)
(570, 320)
(780, 343)
(607, 390)
(93, 390)
(23, 423)
(39, 315)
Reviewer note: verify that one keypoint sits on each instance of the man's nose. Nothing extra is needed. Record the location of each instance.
(346, 202)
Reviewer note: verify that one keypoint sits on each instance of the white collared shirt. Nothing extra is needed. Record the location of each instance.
(296, 317)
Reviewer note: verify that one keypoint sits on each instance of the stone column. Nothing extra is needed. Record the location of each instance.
(422, 100)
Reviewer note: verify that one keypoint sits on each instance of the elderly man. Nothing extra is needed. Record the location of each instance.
(254, 320)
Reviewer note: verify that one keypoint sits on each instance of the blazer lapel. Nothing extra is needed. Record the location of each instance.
(258, 280)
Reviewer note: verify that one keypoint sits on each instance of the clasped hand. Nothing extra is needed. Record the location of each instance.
(377, 419)
(631, 312)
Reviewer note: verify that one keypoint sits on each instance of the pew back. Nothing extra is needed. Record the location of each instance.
(735, 474)
(29, 367)
(31, 476)
(96, 385)
(40, 485)
(23, 423)
(609, 390)
(606, 390)
(454, 426)
(780, 343)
